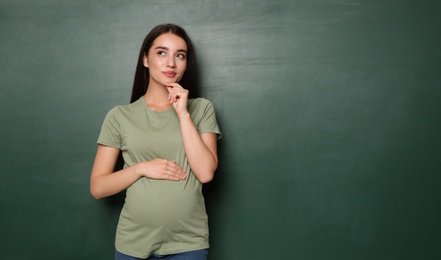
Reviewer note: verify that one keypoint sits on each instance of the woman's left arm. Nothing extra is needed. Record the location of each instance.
(201, 149)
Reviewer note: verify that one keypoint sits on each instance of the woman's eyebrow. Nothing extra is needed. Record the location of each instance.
(165, 48)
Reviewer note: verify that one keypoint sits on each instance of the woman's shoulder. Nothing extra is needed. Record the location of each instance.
(199, 102)
(200, 107)
(125, 108)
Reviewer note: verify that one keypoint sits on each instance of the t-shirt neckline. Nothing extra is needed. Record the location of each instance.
(163, 112)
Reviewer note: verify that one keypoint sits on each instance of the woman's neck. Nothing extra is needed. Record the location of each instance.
(156, 98)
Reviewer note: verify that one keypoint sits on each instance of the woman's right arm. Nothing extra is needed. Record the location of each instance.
(104, 182)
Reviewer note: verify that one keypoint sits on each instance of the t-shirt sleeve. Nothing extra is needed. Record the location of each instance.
(110, 134)
(208, 123)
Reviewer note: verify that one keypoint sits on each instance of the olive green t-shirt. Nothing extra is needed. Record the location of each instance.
(159, 216)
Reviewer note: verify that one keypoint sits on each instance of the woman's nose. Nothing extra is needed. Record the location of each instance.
(171, 62)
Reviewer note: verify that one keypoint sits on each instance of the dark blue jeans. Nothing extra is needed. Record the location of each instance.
(190, 255)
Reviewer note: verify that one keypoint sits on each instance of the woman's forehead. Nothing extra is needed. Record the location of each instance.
(170, 41)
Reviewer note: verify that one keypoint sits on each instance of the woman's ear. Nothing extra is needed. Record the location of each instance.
(145, 61)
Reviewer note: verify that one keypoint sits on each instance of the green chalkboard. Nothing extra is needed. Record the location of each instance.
(330, 113)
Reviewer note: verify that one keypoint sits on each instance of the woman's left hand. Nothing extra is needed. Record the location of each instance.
(178, 97)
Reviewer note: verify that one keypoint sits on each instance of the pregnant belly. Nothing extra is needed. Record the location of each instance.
(163, 203)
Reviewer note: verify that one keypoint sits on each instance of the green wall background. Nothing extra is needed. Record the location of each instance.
(330, 112)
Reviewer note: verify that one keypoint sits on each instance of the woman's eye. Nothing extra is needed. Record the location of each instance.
(161, 53)
(181, 56)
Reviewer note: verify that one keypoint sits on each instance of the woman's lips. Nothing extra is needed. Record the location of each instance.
(169, 74)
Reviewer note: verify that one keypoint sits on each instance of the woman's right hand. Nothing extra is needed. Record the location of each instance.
(161, 169)
(104, 182)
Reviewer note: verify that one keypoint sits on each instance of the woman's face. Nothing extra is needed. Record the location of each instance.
(167, 59)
